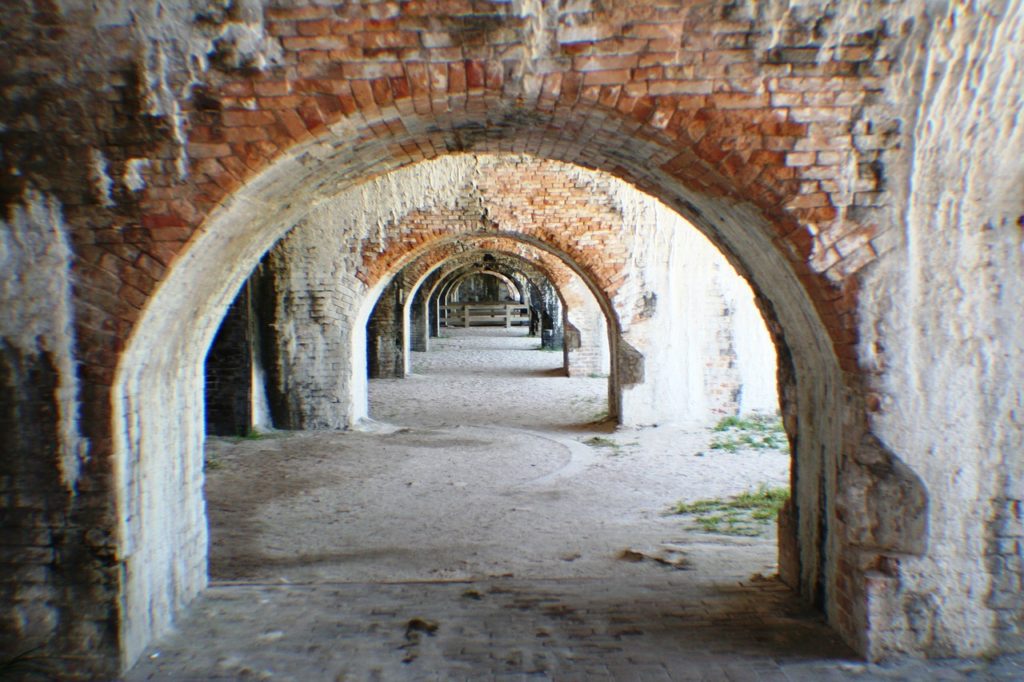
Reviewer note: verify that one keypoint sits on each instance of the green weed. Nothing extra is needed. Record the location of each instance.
(251, 434)
(602, 442)
(753, 432)
(747, 514)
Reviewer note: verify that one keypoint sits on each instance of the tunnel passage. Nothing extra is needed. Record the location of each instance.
(307, 357)
(433, 300)
(300, 290)
(298, 265)
(554, 293)
(548, 280)
(793, 136)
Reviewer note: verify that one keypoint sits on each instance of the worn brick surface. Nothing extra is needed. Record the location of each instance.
(790, 137)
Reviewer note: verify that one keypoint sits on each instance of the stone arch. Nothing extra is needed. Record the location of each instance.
(595, 237)
(195, 290)
(512, 286)
(571, 284)
(379, 265)
(574, 294)
(808, 127)
(550, 264)
(557, 291)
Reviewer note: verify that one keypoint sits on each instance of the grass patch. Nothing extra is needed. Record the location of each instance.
(252, 434)
(212, 462)
(748, 514)
(602, 442)
(753, 432)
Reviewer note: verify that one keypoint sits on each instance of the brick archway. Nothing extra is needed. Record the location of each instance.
(557, 292)
(264, 147)
(574, 287)
(808, 140)
(417, 253)
(196, 290)
(610, 230)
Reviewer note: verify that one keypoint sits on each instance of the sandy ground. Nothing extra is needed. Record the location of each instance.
(477, 467)
(472, 535)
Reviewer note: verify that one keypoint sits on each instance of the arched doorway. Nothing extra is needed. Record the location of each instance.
(191, 142)
(785, 292)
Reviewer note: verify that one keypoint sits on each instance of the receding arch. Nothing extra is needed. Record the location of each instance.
(159, 486)
(553, 258)
(574, 286)
(511, 286)
(443, 264)
(454, 255)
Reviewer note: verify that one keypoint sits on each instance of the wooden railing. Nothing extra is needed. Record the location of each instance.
(485, 314)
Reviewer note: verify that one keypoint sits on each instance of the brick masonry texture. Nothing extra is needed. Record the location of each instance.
(152, 154)
(587, 229)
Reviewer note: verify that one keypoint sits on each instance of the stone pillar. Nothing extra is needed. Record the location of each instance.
(307, 335)
(229, 371)
(385, 342)
(552, 330)
(419, 333)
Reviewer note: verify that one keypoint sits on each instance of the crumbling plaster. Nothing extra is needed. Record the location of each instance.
(324, 262)
(943, 337)
(44, 452)
(920, 176)
(35, 294)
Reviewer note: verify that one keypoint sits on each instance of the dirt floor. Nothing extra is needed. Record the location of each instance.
(485, 528)
(484, 463)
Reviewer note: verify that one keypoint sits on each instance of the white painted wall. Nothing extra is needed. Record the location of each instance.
(755, 352)
(676, 263)
(943, 329)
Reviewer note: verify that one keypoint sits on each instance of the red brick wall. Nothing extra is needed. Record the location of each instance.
(748, 128)
(772, 126)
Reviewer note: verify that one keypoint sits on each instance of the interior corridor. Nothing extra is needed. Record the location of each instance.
(489, 525)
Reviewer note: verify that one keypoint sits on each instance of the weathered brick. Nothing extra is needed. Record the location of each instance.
(271, 88)
(606, 77)
(236, 117)
(643, 91)
(801, 159)
(203, 150)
